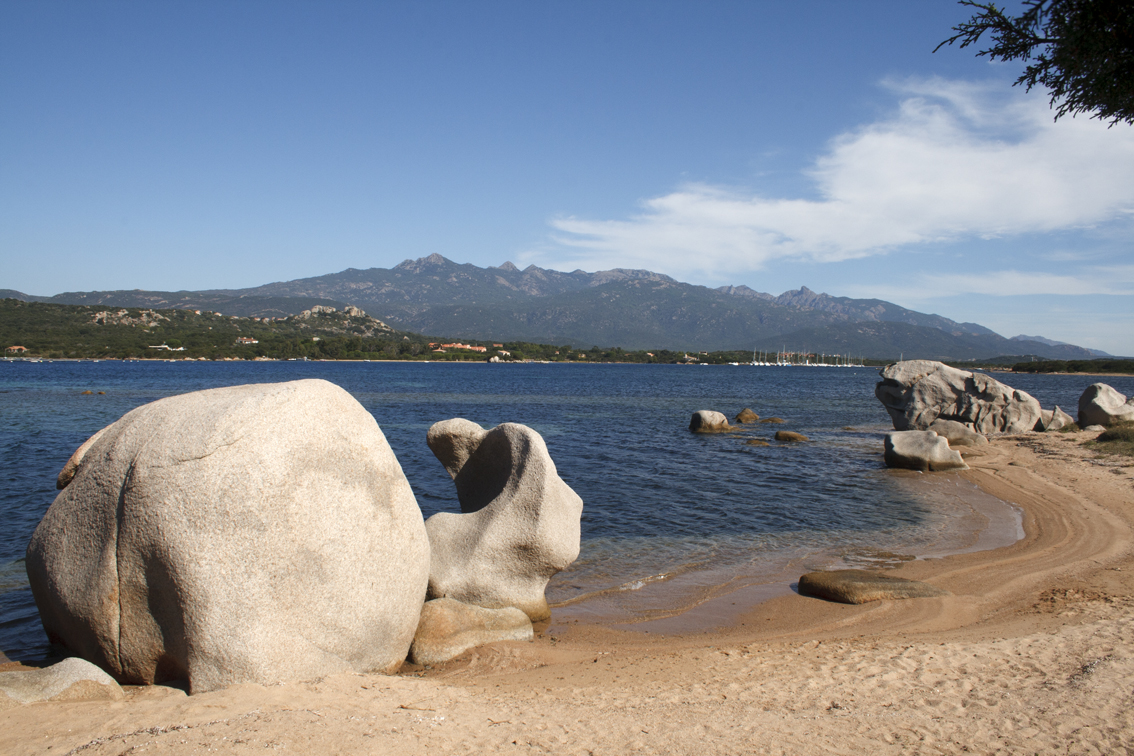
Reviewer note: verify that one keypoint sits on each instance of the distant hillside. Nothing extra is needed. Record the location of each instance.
(632, 309)
(83, 331)
(1049, 342)
(879, 340)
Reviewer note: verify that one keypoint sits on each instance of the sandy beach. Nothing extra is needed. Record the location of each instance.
(1033, 653)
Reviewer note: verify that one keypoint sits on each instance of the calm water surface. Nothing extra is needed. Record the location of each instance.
(662, 506)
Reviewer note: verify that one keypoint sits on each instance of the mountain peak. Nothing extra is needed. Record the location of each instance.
(421, 263)
(508, 266)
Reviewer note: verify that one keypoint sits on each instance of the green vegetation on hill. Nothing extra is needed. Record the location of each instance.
(1097, 367)
(78, 331)
(55, 331)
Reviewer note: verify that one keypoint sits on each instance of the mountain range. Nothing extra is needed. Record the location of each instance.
(633, 309)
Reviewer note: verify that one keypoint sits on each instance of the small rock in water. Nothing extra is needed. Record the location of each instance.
(757, 442)
(772, 420)
(921, 450)
(860, 586)
(790, 436)
(746, 415)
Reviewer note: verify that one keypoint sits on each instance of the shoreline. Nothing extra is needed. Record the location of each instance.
(1032, 652)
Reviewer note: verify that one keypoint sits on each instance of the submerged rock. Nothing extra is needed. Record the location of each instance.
(519, 522)
(921, 450)
(258, 533)
(861, 586)
(772, 420)
(790, 436)
(757, 442)
(448, 628)
(708, 421)
(1102, 405)
(918, 392)
(746, 415)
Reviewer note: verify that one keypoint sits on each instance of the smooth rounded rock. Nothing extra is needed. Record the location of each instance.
(708, 421)
(258, 533)
(72, 679)
(921, 450)
(519, 522)
(918, 392)
(861, 586)
(448, 628)
(72, 464)
(1054, 420)
(1102, 405)
(957, 434)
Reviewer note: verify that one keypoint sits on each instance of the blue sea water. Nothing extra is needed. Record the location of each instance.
(661, 503)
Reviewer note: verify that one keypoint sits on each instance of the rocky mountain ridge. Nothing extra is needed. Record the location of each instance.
(633, 309)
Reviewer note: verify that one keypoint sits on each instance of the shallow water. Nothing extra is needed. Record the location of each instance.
(670, 517)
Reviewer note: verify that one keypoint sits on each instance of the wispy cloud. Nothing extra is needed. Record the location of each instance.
(1114, 280)
(956, 160)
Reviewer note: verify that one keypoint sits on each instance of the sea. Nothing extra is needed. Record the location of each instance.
(671, 519)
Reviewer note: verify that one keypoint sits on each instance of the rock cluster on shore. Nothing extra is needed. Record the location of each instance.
(958, 407)
(266, 533)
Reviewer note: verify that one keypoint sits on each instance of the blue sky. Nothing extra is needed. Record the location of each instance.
(229, 144)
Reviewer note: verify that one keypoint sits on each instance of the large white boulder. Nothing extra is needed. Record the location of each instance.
(519, 522)
(708, 421)
(918, 392)
(255, 533)
(1102, 405)
(921, 450)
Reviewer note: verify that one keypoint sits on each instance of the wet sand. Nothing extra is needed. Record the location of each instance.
(1033, 653)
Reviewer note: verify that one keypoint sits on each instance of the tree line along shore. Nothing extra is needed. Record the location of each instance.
(55, 331)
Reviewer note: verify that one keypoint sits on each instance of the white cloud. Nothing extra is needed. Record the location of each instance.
(956, 160)
(1116, 280)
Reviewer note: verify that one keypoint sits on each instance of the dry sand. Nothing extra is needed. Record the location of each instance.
(1034, 653)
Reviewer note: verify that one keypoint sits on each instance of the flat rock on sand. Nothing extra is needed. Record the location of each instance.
(72, 679)
(448, 628)
(860, 586)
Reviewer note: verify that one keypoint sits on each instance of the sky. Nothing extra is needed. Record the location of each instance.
(818, 143)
